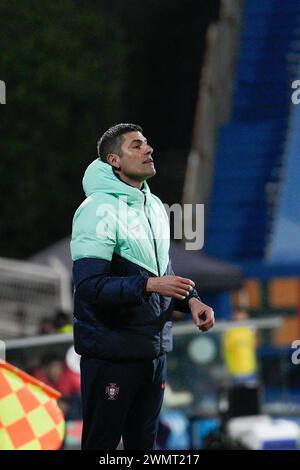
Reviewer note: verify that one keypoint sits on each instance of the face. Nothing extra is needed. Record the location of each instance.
(54, 370)
(240, 315)
(136, 161)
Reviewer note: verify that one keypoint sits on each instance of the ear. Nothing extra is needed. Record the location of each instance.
(114, 160)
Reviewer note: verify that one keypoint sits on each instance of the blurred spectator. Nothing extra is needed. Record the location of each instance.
(56, 373)
(46, 326)
(239, 349)
(51, 370)
(63, 322)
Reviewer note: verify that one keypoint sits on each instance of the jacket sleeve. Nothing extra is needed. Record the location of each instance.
(93, 283)
(92, 246)
(183, 305)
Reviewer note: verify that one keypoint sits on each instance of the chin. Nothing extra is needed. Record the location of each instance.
(150, 174)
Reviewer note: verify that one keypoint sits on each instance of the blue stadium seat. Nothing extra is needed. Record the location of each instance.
(250, 147)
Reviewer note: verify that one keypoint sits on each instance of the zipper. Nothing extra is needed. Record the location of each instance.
(158, 269)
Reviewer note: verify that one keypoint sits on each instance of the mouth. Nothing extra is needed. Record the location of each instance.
(149, 160)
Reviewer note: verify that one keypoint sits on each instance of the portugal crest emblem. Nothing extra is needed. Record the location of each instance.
(112, 391)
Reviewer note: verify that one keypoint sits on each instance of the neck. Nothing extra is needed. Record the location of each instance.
(130, 181)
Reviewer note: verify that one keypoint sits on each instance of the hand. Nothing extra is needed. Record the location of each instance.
(170, 286)
(202, 314)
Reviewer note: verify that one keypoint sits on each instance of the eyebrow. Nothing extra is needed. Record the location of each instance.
(138, 141)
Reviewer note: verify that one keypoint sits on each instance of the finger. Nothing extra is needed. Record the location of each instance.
(207, 315)
(207, 320)
(203, 328)
(181, 291)
(187, 287)
(207, 326)
(184, 280)
(197, 321)
(178, 296)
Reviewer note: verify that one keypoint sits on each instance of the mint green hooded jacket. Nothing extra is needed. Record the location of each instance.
(120, 237)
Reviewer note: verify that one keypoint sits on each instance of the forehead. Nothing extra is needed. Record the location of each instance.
(130, 136)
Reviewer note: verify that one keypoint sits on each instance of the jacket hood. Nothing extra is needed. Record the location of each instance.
(99, 177)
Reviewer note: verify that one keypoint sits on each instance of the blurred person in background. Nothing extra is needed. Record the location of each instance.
(55, 372)
(125, 293)
(62, 322)
(46, 326)
(59, 323)
(239, 349)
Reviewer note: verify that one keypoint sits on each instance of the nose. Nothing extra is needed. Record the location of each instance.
(148, 150)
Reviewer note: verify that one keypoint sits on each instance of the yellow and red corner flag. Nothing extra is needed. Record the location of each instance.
(30, 418)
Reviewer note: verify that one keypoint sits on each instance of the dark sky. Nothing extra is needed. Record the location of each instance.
(67, 79)
(166, 41)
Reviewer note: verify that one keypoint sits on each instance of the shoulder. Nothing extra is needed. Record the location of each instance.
(157, 201)
(156, 198)
(93, 204)
(159, 205)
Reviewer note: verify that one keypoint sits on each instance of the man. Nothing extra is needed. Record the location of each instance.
(125, 292)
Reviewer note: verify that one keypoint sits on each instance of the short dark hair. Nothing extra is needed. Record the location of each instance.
(111, 140)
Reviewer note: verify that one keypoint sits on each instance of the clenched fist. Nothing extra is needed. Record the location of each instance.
(202, 314)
